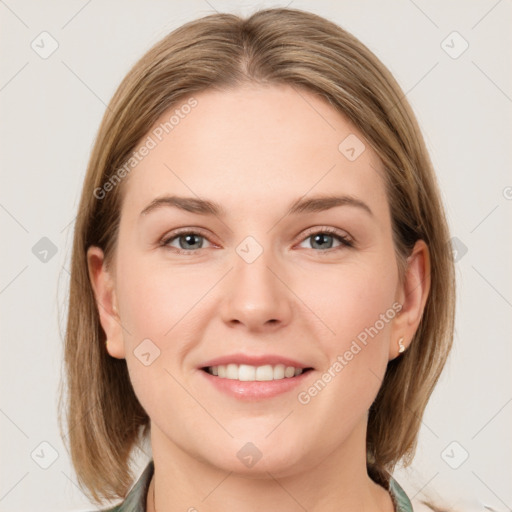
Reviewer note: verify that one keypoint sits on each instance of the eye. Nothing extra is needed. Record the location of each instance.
(323, 239)
(188, 241)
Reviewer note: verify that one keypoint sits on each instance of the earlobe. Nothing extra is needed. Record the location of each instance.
(103, 284)
(413, 294)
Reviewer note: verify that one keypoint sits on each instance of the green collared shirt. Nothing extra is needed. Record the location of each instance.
(136, 499)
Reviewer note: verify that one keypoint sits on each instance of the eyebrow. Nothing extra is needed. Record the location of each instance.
(300, 206)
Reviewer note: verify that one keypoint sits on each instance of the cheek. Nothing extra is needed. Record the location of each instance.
(359, 310)
(154, 297)
(365, 300)
(156, 303)
(352, 299)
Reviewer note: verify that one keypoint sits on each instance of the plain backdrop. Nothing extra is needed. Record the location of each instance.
(452, 59)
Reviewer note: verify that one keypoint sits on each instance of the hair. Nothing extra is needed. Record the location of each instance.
(277, 46)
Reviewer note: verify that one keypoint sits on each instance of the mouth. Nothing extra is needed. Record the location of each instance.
(250, 373)
(254, 378)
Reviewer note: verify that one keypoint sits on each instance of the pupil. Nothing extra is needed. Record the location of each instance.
(189, 240)
(320, 238)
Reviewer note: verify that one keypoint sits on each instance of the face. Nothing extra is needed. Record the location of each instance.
(261, 289)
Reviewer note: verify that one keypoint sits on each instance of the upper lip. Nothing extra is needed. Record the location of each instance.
(254, 360)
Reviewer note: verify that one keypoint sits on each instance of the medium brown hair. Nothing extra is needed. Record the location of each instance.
(221, 51)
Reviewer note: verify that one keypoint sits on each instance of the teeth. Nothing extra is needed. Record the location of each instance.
(279, 371)
(265, 372)
(232, 371)
(245, 372)
(289, 371)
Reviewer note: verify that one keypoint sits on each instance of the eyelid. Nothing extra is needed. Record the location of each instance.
(182, 231)
(175, 233)
(331, 231)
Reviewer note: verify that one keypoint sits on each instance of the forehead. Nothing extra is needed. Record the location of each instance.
(254, 145)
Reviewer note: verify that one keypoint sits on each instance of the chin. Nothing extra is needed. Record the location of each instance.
(255, 459)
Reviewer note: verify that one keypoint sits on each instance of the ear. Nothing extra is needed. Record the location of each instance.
(412, 294)
(103, 285)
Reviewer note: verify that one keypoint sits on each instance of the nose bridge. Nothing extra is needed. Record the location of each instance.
(256, 295)
(253, 262)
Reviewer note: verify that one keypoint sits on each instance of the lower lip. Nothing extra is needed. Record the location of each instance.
(255, 390)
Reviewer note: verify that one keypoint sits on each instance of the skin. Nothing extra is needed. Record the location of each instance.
(255, 150)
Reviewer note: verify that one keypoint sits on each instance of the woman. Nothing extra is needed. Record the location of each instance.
(262, 283)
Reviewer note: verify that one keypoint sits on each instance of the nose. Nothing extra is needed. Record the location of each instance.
(255, 293)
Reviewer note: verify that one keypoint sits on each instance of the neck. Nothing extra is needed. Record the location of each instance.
(338, 482)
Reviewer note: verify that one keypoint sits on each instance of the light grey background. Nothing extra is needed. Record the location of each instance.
(50, 112)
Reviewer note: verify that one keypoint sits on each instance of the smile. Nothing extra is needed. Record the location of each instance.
(249, 373)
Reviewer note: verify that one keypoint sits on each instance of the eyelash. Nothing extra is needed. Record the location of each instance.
(345, 241)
